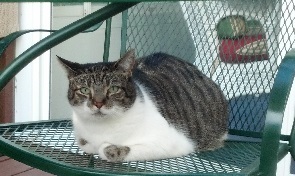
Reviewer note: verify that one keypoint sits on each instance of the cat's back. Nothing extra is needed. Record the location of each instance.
(160, 61)
(187, 98)
(162, 66)
(159, 69)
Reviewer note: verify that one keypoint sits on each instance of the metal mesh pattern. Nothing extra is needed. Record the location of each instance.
(55, 140)
(189, 30)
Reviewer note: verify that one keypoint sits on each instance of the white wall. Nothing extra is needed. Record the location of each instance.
(32, 83)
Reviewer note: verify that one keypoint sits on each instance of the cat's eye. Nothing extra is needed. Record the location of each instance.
(85, 90)
(114, 89)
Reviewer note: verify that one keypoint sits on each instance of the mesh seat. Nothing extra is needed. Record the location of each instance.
(55, 140)
(244, 46)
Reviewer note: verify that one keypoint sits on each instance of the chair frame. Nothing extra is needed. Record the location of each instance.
(271, 150)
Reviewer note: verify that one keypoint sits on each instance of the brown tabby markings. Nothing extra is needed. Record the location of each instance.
(100, 78)
(185, 97)
(188, 99)
(83, 141)
(116, 153)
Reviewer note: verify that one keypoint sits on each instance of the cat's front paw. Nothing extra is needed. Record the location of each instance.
(115, 153)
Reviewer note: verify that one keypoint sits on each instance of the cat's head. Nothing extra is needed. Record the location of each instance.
(101, 89)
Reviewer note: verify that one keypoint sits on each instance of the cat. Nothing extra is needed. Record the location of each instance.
(150, 108)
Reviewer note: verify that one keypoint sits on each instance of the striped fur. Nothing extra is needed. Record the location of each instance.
(153, 107)
(187, 99)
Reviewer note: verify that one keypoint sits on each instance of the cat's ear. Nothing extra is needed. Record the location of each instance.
(127, 62)
(69, 66)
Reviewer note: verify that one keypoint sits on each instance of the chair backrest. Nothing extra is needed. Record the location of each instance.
(239, 44)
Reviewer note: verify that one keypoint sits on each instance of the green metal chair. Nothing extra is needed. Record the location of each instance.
(256, 84)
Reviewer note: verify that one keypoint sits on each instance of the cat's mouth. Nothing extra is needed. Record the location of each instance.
(98, 113)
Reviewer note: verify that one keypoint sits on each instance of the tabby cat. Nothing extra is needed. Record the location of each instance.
(154, 107)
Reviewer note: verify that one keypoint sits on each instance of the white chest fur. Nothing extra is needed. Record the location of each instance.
(142, 125)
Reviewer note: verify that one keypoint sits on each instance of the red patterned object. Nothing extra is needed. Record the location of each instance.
(243, 50)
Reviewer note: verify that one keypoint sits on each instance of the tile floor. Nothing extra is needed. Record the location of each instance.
(10, 167)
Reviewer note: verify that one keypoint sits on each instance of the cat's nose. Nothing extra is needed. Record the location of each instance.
(98, 104)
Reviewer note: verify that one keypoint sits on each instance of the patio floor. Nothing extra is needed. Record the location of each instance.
(11, 167)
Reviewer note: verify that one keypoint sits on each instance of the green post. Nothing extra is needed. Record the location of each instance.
(107, 40)
(124, 32)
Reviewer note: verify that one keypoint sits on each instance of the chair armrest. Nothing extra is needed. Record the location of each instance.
(275, 113)
(4, 42)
